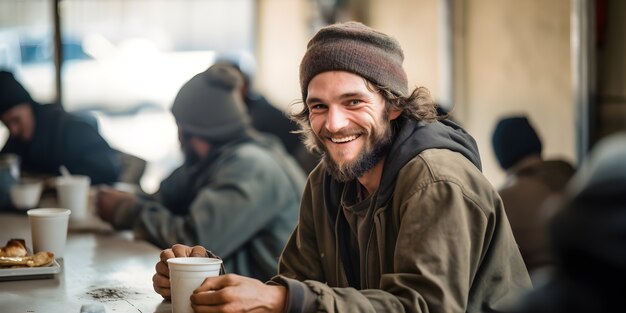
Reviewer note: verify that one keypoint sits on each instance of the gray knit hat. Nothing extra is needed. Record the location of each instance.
(356, 48)
(210, 105)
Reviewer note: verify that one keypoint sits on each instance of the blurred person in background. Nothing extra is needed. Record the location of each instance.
(237, 193)
(530, 182)
(267, 118)
(588, 239)
(45, 137)
(396, 218)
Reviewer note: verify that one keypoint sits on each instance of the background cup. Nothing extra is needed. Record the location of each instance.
(9, 175)
(126, 187)
(73, 194)
(187, 274)
(11, 161)
(26, 193)
(48, 228)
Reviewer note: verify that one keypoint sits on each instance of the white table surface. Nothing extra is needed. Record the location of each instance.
(100, 266)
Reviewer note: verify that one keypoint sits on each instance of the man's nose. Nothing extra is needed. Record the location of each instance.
(337, 119)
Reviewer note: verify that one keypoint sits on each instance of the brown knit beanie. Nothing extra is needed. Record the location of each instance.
(210, 105)
(356, 48)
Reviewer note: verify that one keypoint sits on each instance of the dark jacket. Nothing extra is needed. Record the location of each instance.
(267, 118)
(241, 203)
(433, 238)
(588, 239)
(61, 138)
(524, 196)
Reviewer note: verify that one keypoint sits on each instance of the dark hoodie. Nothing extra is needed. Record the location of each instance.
(61, 138)
(411, 138)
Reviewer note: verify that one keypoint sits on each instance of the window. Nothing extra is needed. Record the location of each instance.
(124, 62)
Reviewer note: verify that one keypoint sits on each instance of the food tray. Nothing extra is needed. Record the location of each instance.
(30, 272)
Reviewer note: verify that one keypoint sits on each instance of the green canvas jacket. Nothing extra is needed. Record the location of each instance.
(440, 242)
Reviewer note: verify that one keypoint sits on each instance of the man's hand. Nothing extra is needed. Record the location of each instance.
(108, 199)
(234, 293)
(161, 280)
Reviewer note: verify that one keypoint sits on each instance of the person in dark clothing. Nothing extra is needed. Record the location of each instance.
(238, 191)
(530, 182)
(396, 218)
(46, 137)
(588, 239)
(266, 118)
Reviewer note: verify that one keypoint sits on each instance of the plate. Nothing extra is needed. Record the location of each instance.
(30, 272)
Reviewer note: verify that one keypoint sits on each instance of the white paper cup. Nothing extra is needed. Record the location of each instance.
(187, 274)
(26, 194)
(73, 194)
(48, 228)
(126, 187)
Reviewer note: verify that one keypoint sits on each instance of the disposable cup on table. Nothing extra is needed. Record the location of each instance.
(73, 194)
(25, 194)
(187, 274)
(48, 228)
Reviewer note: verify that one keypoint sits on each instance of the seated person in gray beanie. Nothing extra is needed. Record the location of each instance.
(396, 218)
(46, 137)
(237, 193)
(266, 118)
(530, 182)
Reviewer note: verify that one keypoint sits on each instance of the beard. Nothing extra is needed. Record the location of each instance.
(191, 157)
(372, 152)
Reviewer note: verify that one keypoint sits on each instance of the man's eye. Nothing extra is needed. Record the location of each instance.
(355, 101)
(317, 107)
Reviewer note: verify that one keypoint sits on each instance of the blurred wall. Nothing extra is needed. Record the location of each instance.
(282, 35)
(415, 24)
(514, 57)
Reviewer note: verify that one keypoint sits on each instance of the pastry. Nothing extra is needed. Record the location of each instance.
(15, 254)
(14, 248)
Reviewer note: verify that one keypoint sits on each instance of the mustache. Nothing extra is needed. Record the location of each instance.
(344, 132)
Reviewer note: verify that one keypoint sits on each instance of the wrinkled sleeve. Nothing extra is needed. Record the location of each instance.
(300, 259)
(238, 201)
(440, 240)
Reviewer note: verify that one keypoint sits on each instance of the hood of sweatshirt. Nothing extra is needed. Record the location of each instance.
(411, 137)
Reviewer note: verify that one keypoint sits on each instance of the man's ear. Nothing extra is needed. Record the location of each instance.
(394, 114)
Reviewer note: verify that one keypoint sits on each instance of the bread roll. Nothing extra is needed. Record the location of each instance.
(14, 248)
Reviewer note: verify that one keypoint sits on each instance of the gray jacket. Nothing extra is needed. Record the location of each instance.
(242, 204)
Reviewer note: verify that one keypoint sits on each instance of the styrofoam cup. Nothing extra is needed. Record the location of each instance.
(48, 228)
(187, 274)
(73, 194)
(26, 194)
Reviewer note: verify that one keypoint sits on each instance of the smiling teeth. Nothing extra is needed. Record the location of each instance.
(344, 139)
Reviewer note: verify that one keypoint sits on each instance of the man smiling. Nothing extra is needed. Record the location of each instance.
(396, 218)
(351, 129)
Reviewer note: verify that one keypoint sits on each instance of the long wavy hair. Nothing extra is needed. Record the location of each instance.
(419, 105)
